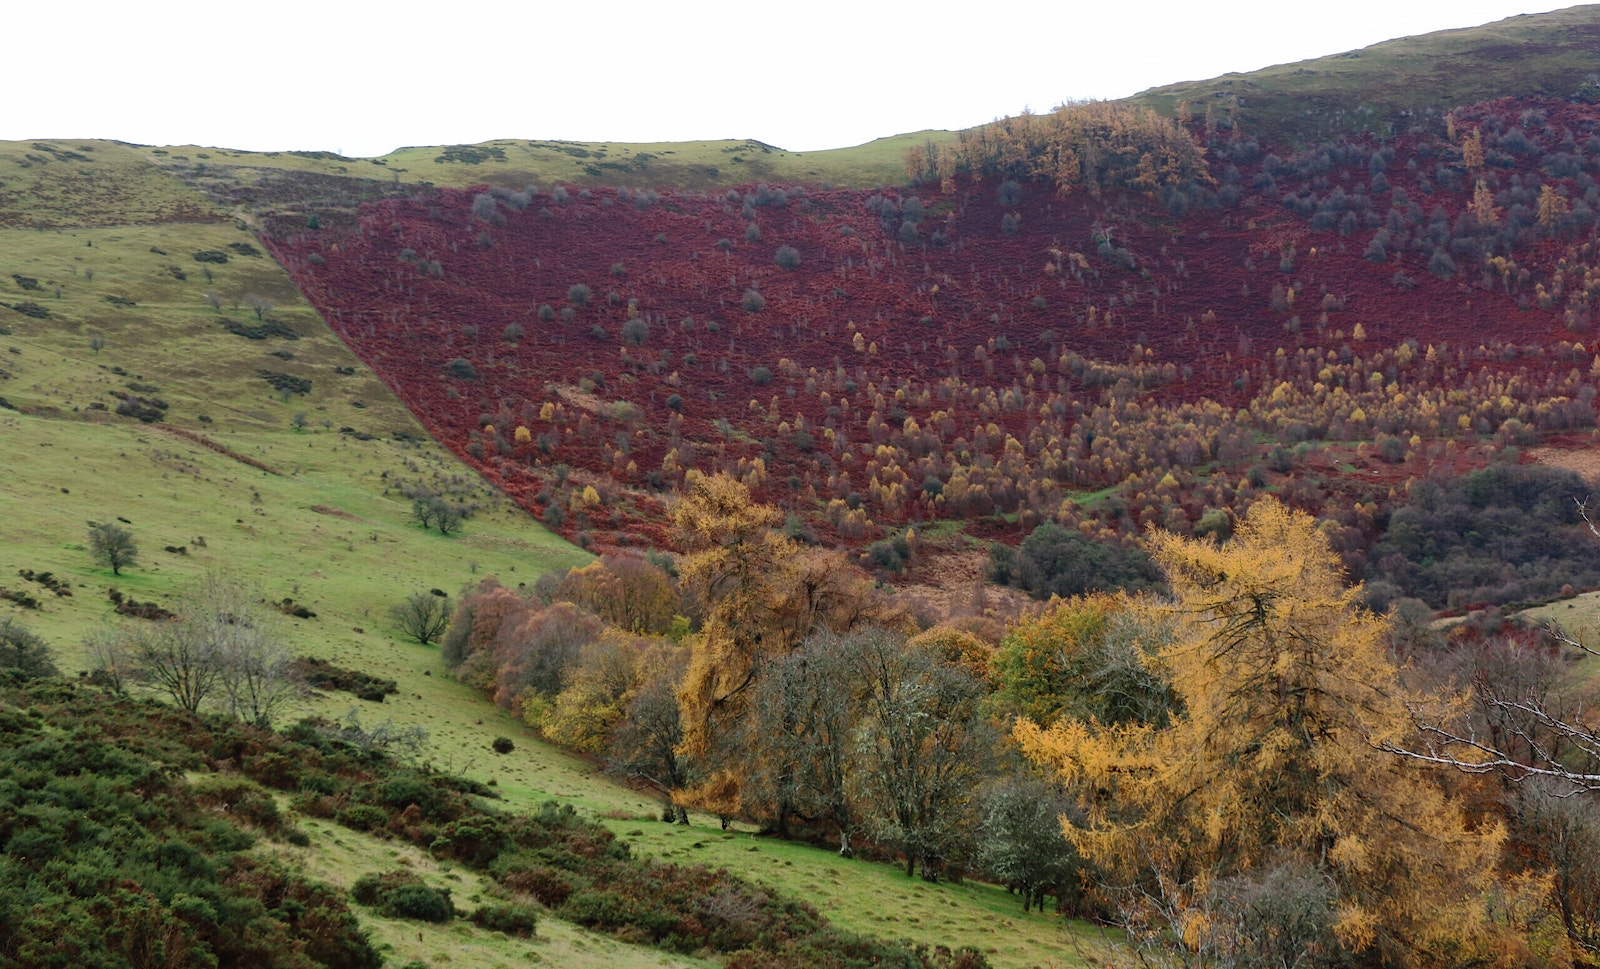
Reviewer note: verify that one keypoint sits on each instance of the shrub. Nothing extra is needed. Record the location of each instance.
(579, 294)
(402, 895)
(1441, 265)
(362, 817)
(636, 330)
(462, 368)
(760, 376)
(549, 886)
(890, 553)
(1054, 560)
(484, 208)
(503, 745)
(752, 301)
(211, 255)
(148, 410)
(521, 921)
(24, 651)
(787, 257)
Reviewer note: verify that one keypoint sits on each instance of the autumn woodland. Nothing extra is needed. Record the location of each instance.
(1186, 386)
(1135, 509)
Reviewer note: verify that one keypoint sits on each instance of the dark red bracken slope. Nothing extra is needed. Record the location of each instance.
(419, 283)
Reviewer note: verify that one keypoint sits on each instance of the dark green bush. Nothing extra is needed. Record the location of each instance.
(403, 895)
(24, 651)
(1054, 560)
(890, 553)
(1505, 534)
(363, 817)
(511, 918)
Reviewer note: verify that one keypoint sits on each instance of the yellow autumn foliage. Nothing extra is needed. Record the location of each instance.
(1285, 687)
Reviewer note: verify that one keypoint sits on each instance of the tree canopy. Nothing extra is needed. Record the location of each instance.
(1285, 687)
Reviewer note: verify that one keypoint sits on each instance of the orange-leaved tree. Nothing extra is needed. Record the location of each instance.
(1285, 688)
(759, 595)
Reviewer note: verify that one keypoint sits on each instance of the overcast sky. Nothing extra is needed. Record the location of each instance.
(817, 74)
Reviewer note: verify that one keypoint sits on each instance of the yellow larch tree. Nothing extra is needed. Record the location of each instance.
(1285, 687)
(760, 594)
(1552, 209)
(1483, 204)
(1472, 151)
(738, 567)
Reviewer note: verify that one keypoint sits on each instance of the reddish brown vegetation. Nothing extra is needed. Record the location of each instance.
(1105, 343)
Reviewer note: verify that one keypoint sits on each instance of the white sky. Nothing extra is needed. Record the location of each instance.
(365, 79)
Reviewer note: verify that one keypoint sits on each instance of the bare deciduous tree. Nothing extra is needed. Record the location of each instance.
(111, 658)
(224, 645)
(1520, 729)
(423, 616)
(259, 304)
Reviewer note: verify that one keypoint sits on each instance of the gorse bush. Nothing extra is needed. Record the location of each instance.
(403, 895)
(132, 821)
(24, 652)
(112, 859)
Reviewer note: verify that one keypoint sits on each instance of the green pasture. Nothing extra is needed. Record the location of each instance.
(1578, 617)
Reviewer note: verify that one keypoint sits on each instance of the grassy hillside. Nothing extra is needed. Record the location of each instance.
(281, 457)
(1390, 87)
(314, 513)
(514, 162)
(59, 183)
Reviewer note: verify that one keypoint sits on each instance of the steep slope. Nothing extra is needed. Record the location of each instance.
(877, 359)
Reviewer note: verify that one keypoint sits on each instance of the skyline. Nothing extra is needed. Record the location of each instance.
(317, 77)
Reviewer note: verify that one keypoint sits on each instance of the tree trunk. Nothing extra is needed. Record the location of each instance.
(845, 851)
